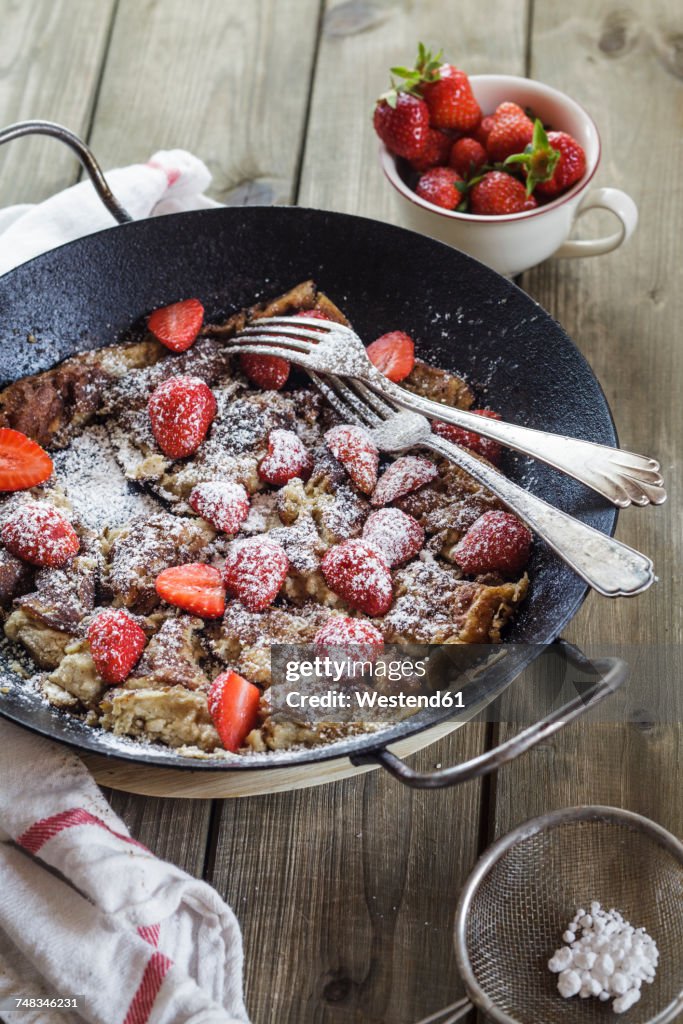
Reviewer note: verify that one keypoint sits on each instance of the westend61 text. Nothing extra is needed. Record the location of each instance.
(370, 699)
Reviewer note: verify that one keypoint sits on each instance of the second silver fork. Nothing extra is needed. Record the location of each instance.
(607, 565)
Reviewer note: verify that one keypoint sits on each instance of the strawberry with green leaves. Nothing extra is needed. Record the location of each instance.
(445, 89)
(402, 123)
(552, 162)
(498, 194)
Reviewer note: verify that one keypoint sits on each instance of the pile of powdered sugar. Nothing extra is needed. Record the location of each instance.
(604, 956)
(92, 480)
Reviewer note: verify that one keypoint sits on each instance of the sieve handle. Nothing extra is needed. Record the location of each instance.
(612, 671)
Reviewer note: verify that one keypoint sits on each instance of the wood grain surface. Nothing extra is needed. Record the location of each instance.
(346, 892)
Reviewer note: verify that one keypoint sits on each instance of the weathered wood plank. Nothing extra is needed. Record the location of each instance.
(624, 311)
(226, 80)
(51, 53)
(346, 892)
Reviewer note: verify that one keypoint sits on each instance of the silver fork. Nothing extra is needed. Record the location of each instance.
(607, 565)
(323, 346)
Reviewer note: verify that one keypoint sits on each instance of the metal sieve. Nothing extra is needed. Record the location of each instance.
(527, 887)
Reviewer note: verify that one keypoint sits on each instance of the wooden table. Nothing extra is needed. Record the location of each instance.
(346, 892)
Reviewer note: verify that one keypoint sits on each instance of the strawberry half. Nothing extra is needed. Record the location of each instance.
(23, 463)
(395, 534)
(393, 354)
(496, 542)
(39, 534)
(357, 452)
(196, 588)
(403, 477)
(267, 372)
(490, 449)
(181, 410)
(223, 503)
(116, 643)
(177, 326)
(359, 574)
(286, 458)
(254, 571)
(233, 706)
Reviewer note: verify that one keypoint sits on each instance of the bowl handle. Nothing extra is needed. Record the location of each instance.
(612, 673)
(618, 203)
(84, 154)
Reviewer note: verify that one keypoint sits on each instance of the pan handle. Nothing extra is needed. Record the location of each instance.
(84, 154)
(612, 672)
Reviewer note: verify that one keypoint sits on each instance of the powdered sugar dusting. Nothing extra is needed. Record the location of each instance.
(92, 480)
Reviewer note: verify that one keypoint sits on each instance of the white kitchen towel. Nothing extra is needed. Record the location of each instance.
(170, 182)
(85, 910)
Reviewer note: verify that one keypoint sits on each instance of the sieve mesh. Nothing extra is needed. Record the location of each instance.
(523, 904)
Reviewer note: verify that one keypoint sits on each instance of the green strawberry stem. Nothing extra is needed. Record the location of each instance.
(539, 158)
(426, 70)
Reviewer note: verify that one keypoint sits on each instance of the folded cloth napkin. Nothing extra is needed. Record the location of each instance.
(85, 910)
(170, 182)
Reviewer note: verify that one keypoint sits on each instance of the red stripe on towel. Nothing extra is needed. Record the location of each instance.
(38, 834)
(150, 933)
(141, 1005)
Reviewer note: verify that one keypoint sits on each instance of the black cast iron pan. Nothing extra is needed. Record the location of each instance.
(463, 317)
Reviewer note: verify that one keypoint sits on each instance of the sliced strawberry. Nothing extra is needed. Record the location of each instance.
(23, 463)
(233, 706)
(223, 503)
(496, 542)
(287, 458)
(357, 452)
(267, 372)
(177, 326)
(116, 643)
(314, 314)
(181, 410)
(393, 354)
(359, 574)
(196, 588)
(340, 630)
(254, 571)
(403, 477)
(39, 534)
(491, 450)
(395, 534)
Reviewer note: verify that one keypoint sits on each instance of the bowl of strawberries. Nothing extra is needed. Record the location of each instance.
(498, 166)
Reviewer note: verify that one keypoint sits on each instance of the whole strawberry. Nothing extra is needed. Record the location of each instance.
(570, 167)
(436, 151)
(496, 542)
(181, 410)
(512, 131)
(498, 194)
(402, 123)
(451, 101)
(440, 187)
(467, 156)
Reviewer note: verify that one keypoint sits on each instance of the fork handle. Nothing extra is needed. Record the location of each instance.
(607, 565)
(609, 471)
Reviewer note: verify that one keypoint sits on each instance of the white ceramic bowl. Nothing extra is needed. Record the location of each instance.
(517, 241)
